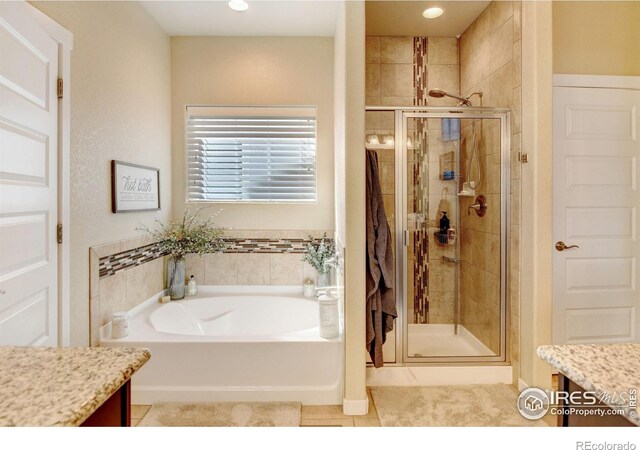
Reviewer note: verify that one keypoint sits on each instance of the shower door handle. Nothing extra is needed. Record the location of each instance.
(405, 237)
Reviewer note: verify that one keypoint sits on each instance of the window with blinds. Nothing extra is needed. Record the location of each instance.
(238, 154)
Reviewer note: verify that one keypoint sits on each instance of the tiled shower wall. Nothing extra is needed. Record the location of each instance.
(490, 60)
(487, 57)
(389, 70)
(399, 72)
(124, 274)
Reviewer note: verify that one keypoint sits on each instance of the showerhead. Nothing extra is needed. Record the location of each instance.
(437, 93)
(464, 101)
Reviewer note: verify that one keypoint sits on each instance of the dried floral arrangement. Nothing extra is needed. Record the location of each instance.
(188, 235)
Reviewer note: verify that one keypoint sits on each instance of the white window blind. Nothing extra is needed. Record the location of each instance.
(238, 154)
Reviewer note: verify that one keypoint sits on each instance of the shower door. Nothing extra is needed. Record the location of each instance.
(452, 279)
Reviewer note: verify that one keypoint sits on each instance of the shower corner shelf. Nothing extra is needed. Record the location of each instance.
(467, 190)
(439, 237)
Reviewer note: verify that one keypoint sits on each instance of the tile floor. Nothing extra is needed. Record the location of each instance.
(137, 413)
(331, 416)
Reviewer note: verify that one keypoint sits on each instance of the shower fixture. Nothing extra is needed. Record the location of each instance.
(464, 101)
(469, 186)
(480, 206)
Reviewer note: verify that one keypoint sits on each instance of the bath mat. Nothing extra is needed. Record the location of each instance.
(478, 405)
(258, 414)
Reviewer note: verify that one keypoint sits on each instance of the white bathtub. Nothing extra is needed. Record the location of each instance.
(234, 343)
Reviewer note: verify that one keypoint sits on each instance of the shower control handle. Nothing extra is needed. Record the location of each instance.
(480, 206)
(560, 246)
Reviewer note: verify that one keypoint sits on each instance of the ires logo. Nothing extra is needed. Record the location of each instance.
(586, 398)
(534, 403)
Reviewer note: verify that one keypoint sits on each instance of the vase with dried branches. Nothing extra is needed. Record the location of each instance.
(182, 237)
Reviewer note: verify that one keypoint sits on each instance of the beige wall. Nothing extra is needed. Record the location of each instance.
(537, 78)
(598, 38)
(340, 131)
(120, 109)
(258, 71)
(351, 32)
(490, 60)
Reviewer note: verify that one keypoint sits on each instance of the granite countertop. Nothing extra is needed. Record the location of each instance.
(61, 386)
(603, 368)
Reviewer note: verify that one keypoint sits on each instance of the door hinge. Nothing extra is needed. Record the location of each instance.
(523, 157)
(60, 87)
(59, 233)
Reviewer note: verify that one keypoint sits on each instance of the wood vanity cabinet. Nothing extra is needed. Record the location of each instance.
(115, 412)
(575, 420)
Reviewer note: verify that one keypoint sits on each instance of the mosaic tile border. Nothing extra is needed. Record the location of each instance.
(112, 264)
(420, 247)
(266, 245)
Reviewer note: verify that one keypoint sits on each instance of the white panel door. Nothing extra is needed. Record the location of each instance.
(28, 182)
(596, 153)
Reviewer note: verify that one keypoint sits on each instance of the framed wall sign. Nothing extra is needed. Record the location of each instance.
(134, 187)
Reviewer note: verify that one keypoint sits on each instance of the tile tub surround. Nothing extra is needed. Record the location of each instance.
(257, 257)
(125, 259)
(607, 369)
(42, 386)
(124, 274)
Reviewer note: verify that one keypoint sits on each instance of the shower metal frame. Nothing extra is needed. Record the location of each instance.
(401, 116)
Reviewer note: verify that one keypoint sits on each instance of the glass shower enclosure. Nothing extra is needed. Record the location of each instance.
(445, 181)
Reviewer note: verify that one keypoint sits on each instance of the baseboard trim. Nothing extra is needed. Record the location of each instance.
(440, 375)
(522, 385)
(355, 407)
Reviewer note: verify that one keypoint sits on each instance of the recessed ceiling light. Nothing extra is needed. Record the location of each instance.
(432, 13)
(238, 5)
